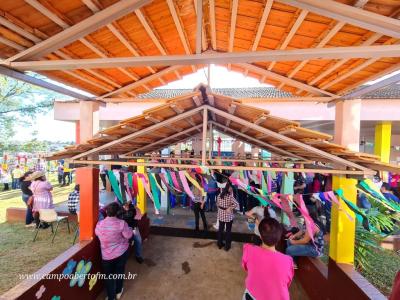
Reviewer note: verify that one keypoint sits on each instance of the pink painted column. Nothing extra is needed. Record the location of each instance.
(347, 123)
(89, 120)
(77, 132)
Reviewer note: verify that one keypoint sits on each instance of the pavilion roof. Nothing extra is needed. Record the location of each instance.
(61, 33)
(181, 118)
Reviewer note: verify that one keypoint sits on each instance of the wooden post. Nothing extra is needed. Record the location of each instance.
(88, 179)
(211, 142)
(204, 139)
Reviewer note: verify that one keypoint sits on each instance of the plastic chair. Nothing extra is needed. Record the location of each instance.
(50, 216)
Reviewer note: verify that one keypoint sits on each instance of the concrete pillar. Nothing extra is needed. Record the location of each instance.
(347, 133)
(88, 179)
(77, 132)
(382, 145)
(347, 123)
(89, 120)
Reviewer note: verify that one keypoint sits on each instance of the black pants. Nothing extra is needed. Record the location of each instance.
(110, 269)
(103, 180)
(198, 210)
(66, 175)
(228, 234)
(60, 178)
(242, 195)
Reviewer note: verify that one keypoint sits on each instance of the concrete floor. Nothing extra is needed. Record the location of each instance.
(185, 268)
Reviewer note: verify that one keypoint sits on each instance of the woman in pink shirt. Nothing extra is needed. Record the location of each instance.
(114, 235)
(269, 272)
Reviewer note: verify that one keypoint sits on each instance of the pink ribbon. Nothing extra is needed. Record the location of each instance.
(286, 208)
(185, 184)
(310, 225)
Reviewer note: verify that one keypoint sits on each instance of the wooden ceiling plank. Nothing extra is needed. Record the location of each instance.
(19, 30)
(80, 29)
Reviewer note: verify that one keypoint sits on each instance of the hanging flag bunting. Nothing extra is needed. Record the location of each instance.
(288, 210)
(154, 190)
(195, 183)
(301, 206)
(185, 184)
(115, 185)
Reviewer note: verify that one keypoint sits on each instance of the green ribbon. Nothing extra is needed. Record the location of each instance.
(115, 185)
(154, 190)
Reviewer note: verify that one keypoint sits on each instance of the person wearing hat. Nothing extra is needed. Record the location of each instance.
(41, 190)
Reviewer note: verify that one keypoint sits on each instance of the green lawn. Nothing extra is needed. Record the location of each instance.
(18, 254)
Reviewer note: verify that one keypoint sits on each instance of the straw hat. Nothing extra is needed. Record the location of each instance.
(36, 175)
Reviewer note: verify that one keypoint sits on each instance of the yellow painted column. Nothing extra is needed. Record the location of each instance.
(347, 133)
(383, 134)
(141, 197)
(342, 235)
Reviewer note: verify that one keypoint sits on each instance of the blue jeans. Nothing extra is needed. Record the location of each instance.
(29, 215)
(137, 239)
(210, 201)
(15, 184)
(301, 250)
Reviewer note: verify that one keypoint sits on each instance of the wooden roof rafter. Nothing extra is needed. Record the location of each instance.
(290, 35)
(232, 28)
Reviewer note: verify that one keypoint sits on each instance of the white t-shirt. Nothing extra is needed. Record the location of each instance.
(259, 212)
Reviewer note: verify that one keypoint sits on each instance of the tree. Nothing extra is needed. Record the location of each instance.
(20, 102)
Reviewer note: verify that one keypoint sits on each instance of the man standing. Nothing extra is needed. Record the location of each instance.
(16, 175)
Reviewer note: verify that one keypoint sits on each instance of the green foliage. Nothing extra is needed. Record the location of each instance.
(19, 104)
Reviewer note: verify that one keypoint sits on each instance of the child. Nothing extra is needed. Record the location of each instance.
(129, 214)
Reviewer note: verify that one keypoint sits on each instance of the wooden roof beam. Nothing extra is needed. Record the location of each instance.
(10, 25)
(80, 29)
(349, 14)
(286, 80)
(213, 28)
(142, 132)
(213, 57)
(261, 118)
(290, 141)
(261, 25)
(166, 139)
(232, 28)
(291, 33)
(197, 100)
(201, 38)
(271, 148)
(11, 44)
(231, 110)
(40, 83)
